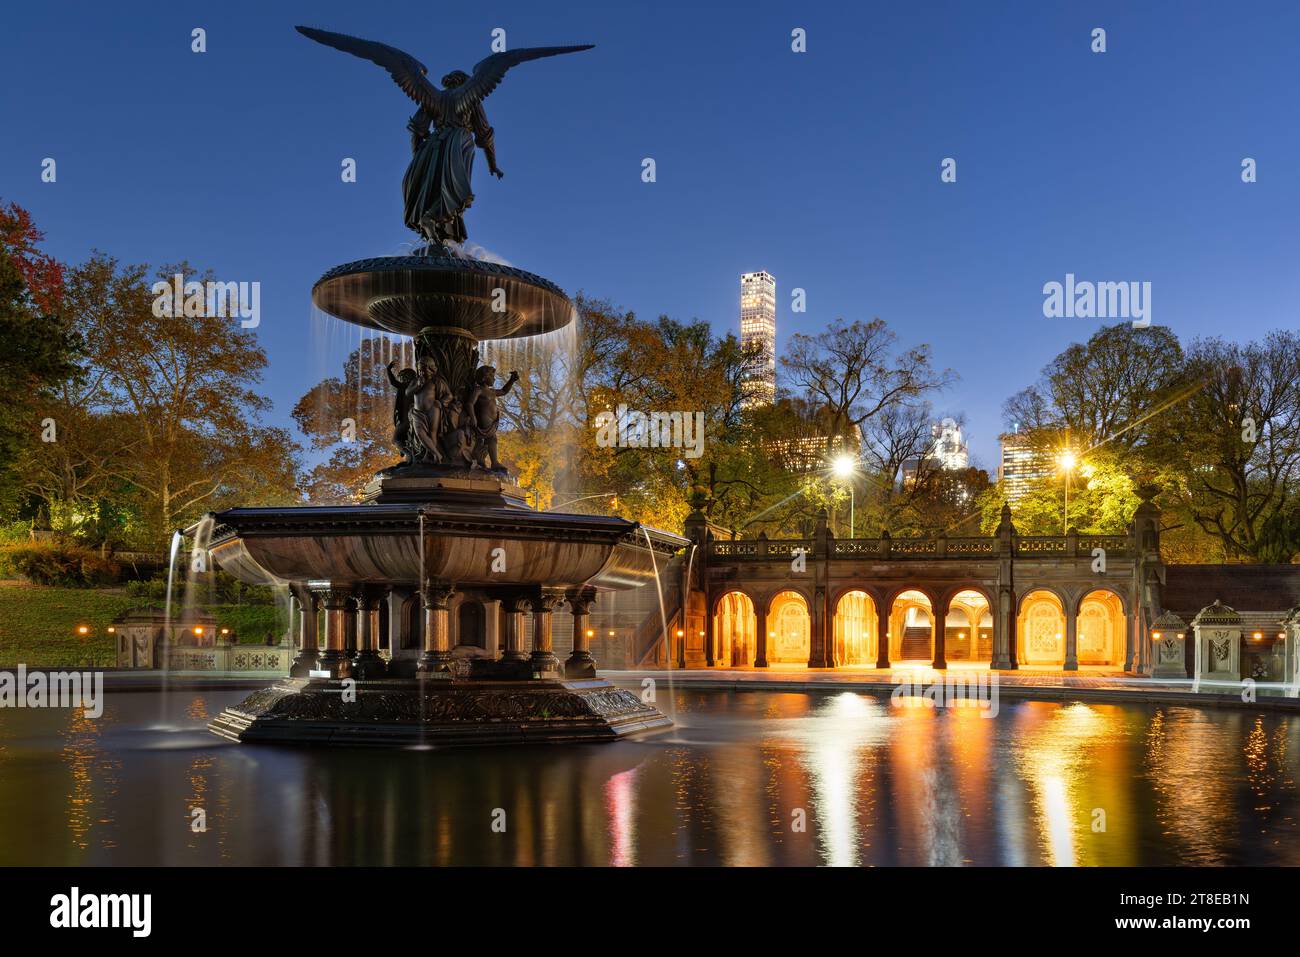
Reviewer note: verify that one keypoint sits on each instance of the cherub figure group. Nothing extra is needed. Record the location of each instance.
(434, 425)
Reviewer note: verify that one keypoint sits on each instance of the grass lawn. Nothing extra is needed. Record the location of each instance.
(38, 623)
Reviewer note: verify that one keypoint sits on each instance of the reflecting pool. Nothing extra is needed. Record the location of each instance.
(748, 778)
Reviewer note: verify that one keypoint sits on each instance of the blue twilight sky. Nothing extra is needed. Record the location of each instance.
(822, 168)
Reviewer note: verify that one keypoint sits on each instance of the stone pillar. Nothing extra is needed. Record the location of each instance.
(1168, 647)
(1004, 614)
(351, 640)
(335, 657)
(436, 657)
(308, 656)
(512, 638)
(1291, 659)
(821, 654)
(543, 657)
(710, 659)
(491, 628)
(939, 628)
(1071, 640)
(760, 618)
(367, 663)
(1218, 643)
(882, 637)
(580, 664)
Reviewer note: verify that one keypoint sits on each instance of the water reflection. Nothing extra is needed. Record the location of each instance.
(753, 779)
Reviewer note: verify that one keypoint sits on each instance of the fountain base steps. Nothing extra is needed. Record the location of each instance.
(437, 711)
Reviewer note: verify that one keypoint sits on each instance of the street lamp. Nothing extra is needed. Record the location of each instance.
(844, 468)
(1067, 462)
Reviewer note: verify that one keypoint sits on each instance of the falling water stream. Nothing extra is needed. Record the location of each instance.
(663, 621)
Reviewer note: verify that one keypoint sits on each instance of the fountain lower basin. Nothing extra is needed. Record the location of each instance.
(445, 525)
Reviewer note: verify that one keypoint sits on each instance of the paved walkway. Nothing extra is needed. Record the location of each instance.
(1099, 684)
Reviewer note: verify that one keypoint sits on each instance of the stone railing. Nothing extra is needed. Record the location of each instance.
(268, 659)
(941, 547)
(760, 548)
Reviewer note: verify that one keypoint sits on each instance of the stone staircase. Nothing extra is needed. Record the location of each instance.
(916, 643)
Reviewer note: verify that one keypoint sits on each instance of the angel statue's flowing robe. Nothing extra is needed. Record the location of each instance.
(436, 187)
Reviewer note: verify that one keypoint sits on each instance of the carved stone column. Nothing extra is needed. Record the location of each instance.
(335, 657)
(580, 664)
(939, 626)
(760, 616)
(1071, 641)
(543, 658)
(308, 656)
(821, 655)
(512, 638)
(367, 663)
(492, 628)
(882, 638)
(436, 657)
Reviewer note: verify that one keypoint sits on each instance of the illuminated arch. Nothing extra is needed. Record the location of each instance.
(968, 627)
(735, 631)
(1040, 629)
(789, 629)
(855, 631)
(911, 616)
(1101, 628)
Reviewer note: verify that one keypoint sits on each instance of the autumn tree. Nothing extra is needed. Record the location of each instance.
(349, 418)
(1237, 443)
(38, 348)
(855, 372)
(184, 388)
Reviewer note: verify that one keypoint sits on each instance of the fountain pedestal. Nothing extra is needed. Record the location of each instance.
(437, 713)
(446, 519)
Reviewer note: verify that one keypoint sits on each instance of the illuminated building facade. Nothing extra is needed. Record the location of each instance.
(758, 327)
(1027, 458)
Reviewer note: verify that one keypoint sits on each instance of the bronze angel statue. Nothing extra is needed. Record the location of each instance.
(448, 124)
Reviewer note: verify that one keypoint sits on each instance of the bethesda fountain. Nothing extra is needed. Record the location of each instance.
(448, 517)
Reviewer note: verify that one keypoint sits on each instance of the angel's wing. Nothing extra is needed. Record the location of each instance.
(408, 72)
(488, 72)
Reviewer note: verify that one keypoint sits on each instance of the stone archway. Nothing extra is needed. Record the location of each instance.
(789, 629)
(1101, 628)
(911, 627)
(1040, 630)
(855, 632)
(968, 627)
(735, 631)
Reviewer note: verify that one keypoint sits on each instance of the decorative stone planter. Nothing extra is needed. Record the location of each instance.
(1218, 643)
(1169, 647)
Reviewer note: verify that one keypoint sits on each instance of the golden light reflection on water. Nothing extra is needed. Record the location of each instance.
(93, 781)
(879, 785)
(1072, 761)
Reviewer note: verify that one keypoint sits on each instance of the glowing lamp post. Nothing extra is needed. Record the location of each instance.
(1067, 462)
(844, 468)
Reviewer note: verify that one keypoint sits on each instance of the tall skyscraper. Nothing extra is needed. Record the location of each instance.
(1026, 460)
(949, 446)
(758, 326)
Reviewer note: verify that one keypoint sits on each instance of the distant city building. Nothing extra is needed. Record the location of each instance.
(1027, 458)
(758, 326)
(948, 452)
(808, 453)
(949, 449)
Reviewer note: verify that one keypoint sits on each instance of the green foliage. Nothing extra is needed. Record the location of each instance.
(251, 623)
(55, 563)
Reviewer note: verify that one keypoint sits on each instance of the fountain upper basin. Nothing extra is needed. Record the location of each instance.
(381, 543)
(408, 294)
